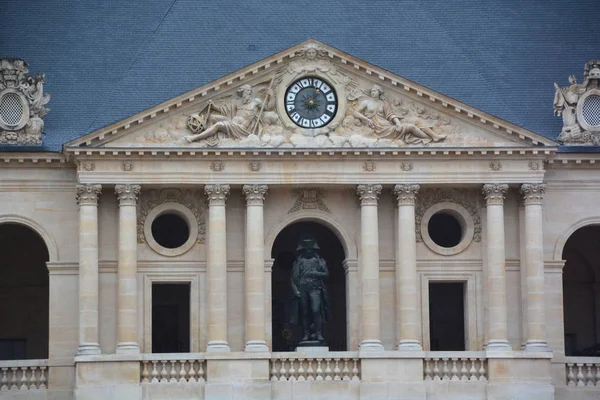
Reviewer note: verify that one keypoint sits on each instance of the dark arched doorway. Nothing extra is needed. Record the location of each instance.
(581, 292)
(23, 294)
(285, 334)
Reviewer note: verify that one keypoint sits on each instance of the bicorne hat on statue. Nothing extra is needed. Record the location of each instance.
(307, 242)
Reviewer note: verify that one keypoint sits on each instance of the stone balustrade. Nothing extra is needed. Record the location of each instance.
(23, 375)
(332, 366)
(583, 371)
(180, 367)
(455, 366)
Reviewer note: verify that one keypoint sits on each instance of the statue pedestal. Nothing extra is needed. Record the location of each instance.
(306, 349)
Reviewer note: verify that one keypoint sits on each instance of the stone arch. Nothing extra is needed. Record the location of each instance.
(321, 217)
(37, 228)
(559, 247)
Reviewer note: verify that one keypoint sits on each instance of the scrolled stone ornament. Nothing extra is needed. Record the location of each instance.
(87, 194)
(368, 194)
(255, 194)
(406, 194)
(533, 193)
(127, 194)
(494, 193)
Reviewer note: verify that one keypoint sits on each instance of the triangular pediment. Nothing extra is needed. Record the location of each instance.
(311, 96)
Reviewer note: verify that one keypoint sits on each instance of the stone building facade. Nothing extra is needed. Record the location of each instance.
(151, 259)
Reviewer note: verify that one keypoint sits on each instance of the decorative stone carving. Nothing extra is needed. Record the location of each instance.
(494, 193)
(151, 198)
(406, 194)
(368, 194)
(254, 166)
(309, 199)
(255, 194)
(369, 166)
(534, 165)
(217, 194)
(127, 166)
(495, 166)
(466, 199)
(406, 167)
(533, 193)
(87, 194)
(217, 166)
(313, 57)
(127, 194)
(87, 166)
(22, 101)
(579, 105)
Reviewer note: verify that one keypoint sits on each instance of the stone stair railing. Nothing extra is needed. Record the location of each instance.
(455, 366)
(178, 367)
(583, 371)
(23, 375)
(332, 366)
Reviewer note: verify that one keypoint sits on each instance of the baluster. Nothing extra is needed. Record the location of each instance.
(13, 378)
(328, 370)
(436, 370)
(292, 371)
(274, 369)
(319, 370)
(445, 370)
(163, 371)
(590, 376)
(355, 370)
(597, 374)
(336, 370)
(23, 379)
(282, 370)
(482, 370)
(454, 371)
(580, 378)
(570, 375)
(346, 371)
(192, 371)
(145, 372)
(472, 371)
(154, 372)
(427, 371)
(33, 378)
(42, 379)
(464, 374)
(301, 369)
(310, 372)
(4, 379)
(172, 372)
(182, 371)
(201, 371)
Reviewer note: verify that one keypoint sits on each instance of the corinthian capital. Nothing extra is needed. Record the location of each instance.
(217, 194)
(255, 194)
(533, 193)
(87, 194)
(368, 194)
(406, 194)
(127, 194)
(494, 193)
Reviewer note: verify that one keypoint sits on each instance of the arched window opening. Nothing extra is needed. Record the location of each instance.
(24, 294)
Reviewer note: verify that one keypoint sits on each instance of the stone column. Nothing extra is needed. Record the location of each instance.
(407, 313)
(216, 268)
(255, 268)
(496, 268)
(534, 265)
(87, 198)
(127, 270)
(369, 267)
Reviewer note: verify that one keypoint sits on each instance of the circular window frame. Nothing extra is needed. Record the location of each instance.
(24, 115)
(177, 209)
(464, 219)
(580, 118)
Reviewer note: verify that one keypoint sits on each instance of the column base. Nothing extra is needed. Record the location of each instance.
(498, 345)
(218, 346)
(88, 349)
(410, 345)
(128, 348)
(370, 345)
(256, 346)
(537, 345)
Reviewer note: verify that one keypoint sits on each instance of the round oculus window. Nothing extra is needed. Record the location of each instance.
(311, 102)
(170, 230)
(591, 110)
(12, 110)
(445, 229)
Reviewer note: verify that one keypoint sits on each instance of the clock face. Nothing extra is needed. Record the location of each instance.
(311, 102)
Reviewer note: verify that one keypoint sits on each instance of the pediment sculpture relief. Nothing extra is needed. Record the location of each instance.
(579, 106)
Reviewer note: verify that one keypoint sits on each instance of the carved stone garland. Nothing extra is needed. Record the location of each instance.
(309, 199)
(431, 197)
(191, 199)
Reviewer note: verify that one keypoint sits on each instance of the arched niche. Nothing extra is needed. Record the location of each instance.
(51, 246)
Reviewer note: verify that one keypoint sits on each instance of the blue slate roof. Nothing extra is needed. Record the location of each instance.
(107, 60)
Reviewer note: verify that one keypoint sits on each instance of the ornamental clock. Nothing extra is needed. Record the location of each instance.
(311, 102)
